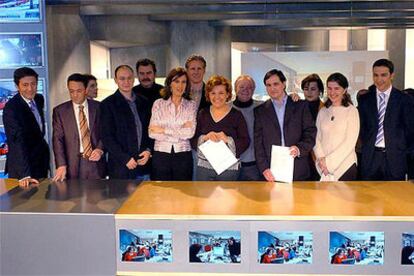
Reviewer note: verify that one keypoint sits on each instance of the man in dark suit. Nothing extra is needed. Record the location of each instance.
(24, 123)
(282, 122)
(76, 140)
(387, 127)
(196, 69)
(124, 129)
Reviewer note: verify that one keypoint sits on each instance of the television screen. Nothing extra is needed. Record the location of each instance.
(12, 11)
(20, 49)
(216, 247)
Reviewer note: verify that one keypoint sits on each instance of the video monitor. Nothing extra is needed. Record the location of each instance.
(407, 249)
(21, 49)
(15, 11)
(215, 247)
(356, 248)
(145, 245)
(284, 247)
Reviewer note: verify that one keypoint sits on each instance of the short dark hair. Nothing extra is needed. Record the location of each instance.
(146, 62)
(90, 77)
(24, 72)
(195, 57)
(216, 80)
(126, 66)
(78, 78)
(342, 82)
(312, 78)
(175, 73)
(386, 63)
(274, 72)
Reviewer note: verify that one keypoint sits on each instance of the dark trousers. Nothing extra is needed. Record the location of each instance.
(350, 175)
(172, 166)
(380, 169)
(88, 169)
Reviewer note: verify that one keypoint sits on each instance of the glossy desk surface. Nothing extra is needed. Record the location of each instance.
(260, 200)
(72, 196)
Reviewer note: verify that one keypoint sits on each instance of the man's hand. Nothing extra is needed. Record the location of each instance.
(27, 182)
(132, 164)
(96, 155)
(268, 175)
(60, 174)
(294, 151)
(145, 155)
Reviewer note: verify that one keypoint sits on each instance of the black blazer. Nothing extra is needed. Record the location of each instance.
(398, 131)
(119, 136)
(298, 127)
(28, 153)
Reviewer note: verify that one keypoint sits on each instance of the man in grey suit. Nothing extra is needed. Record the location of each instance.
(76, 142)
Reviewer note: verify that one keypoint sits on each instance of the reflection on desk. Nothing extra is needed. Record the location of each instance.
(71, 196)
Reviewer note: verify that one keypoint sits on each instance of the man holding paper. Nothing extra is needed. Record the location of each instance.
(281, 122)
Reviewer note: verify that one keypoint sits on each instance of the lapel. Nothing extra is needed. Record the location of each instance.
(392, 106)
(69, 113)
(289, 110)
(123, 109)
(91, 115)
(271, 114)
(29, 112)
(373, 106)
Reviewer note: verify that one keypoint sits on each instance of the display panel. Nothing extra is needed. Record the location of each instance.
(216, 247)
(356, 248)
(285, 247)
(407, 250)
(143, 245)
(14, 11)
(21, 49)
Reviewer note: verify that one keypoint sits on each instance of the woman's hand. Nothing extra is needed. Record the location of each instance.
(156, 129)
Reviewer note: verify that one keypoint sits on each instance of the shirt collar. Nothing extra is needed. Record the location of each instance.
(283, 103)
(386, 92)
(85, 105)
(26, 100)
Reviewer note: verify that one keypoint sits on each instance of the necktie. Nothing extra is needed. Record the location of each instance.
(85, 134)
(381, 115)
(35, 112)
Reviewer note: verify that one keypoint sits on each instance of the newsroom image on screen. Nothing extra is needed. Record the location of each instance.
(14, 11)
(20, 49)
(215, 247)
(356, 248)
(407, 249)
(143, 245)
(284, 247)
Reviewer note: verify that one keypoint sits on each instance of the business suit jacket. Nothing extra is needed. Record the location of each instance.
(398, 131)
(28, 150)
(299, 130)
(119, 135)
(66, 142)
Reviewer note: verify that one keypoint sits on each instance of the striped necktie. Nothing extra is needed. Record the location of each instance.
(85, 134)
(381, 115)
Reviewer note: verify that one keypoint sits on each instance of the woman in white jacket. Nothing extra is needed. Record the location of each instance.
(338, 129)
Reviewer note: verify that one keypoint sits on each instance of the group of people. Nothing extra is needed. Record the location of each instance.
(153, 132)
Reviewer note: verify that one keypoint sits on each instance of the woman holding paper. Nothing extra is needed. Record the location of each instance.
(172, 126)
(338, 129)
(220, 123)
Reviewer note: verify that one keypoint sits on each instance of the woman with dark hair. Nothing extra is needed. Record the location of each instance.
(220, 122)
(338, 128)
(172, 124)
(312, 87)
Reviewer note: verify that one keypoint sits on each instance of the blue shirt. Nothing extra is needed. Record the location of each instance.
(280, 108)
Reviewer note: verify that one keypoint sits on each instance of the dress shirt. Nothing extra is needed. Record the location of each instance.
(387, 97)
(37, 116)
(85, 110)
(280, 108)
(175, 136)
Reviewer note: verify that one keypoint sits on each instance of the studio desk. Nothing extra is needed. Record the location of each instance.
(73, 227)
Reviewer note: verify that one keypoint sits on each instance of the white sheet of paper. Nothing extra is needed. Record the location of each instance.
(282, 164)
(218, 154)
